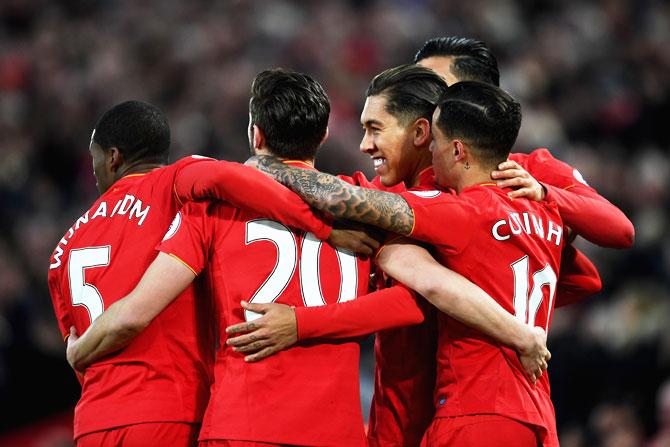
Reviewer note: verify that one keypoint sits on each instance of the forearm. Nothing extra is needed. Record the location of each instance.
(385, 309)
(107, 334)
(163, 281)
(452, 293)
(247, 188)
(340, 199)
(593, 217)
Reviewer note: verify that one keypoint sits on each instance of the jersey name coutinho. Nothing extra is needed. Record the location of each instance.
(526, 223)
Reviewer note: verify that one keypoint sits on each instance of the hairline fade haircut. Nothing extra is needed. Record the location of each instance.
(292, 110)
(483, 116)
(473, 59)
(411, 92)
(138, 129)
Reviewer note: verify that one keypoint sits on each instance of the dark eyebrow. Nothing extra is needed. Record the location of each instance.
(372, 122)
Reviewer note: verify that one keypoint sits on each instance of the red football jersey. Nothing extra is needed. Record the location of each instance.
(581, 207)
(163, 375)
(306, 395)
(512, 250)
(402, 403)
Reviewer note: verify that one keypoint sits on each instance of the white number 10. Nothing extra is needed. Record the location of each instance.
(287, 259)
(526, 306)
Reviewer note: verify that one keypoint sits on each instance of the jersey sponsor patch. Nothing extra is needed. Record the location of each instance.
(426, 194)
(174, 226)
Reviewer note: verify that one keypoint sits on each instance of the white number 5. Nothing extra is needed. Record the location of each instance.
(82, 293)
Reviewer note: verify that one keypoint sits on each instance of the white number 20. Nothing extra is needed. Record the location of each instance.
(82, 293)
(526, 306)
(287, 259)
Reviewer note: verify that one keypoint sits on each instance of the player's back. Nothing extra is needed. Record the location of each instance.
(308, 394)
(100, 260)
(511, 249)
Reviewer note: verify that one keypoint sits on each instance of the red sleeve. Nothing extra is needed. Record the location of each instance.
(440, 219)
(61, 308)
(578, 279)
(592, 216)
(190, 236)
(248, 188)
(385, 309)
(581, 207)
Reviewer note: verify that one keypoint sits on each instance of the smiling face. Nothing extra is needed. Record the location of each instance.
(389, 143)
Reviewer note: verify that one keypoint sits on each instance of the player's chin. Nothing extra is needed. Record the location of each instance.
(388, 178)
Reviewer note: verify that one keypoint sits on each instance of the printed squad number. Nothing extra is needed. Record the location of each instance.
(526, 306)
(82, 293)
(287, 259)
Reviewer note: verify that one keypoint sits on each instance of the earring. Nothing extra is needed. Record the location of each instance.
(467, 165)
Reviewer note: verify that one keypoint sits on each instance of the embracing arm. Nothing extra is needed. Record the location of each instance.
(592, 216)
(163, 281)
(581, 207)
(282, 326)
(464, 301)
(344, 201)
(245, 187)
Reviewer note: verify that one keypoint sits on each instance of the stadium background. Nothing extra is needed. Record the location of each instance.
(593, 78)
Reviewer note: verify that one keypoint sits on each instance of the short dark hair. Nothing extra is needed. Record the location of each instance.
(473, 59)
(138, 129)
(292, 110)
(484, 116)
(411, 91)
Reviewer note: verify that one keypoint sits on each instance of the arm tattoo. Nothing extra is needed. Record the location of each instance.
(328, 193)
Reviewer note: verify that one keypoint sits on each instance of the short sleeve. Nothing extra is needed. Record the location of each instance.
(440, 218)
(189, 237)
(61, 308)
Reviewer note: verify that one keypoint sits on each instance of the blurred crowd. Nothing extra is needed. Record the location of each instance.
(593, 78)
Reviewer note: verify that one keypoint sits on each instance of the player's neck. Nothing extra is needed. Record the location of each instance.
(423, 163)
(137, 168)
(266, 151)
(416, 175)
(476, 175)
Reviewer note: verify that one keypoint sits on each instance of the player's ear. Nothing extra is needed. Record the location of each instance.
(422, 134)
(114, 158)
(459, 150)
(325, 136)
(259, 137)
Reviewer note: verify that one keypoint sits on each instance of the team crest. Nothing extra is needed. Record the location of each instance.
(174, 226)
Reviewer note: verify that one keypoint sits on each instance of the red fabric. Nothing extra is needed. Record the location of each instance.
(579, 278)
(485, 236)
(144, 435)
(480, 430)
(293, 396)
(581, 207)
(226, 443)
(405, 366)
(252, 190)
(388, 308)
(163, 374)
